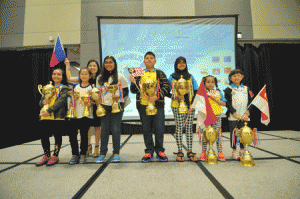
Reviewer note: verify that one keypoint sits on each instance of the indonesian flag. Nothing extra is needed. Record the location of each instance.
(58, 54)
(261, 102)
(206, 115)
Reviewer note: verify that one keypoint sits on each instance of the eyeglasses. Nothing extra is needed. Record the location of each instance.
(108, 62)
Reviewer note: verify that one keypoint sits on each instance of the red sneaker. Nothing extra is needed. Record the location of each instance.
(43, 161)
(52, 161)
(202, 156)
(221, 157)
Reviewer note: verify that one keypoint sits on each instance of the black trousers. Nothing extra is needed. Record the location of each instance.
(83, 124)
(232, 125)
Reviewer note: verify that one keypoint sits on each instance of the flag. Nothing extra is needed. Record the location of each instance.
(261, 102)
(137, 71)
(206, 115)
(58, 54)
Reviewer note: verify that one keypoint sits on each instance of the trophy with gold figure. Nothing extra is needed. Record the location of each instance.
(182, 87)
(86, 99)
(47, 92)
(96, 95)
(72, 110)
(210, 136)
(149, 86)
(115, 105)
(246, 136)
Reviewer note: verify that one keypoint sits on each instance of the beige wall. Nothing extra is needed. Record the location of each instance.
(169, 8)
(44, 18)
(276, 19)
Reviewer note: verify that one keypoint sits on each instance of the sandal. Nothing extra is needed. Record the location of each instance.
(179, 156)
(96, 151)
(192, 157)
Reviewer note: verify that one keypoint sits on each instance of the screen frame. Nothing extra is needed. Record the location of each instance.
(169, 118)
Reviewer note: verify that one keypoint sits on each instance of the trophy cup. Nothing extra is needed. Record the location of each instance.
(210, 136)
(115, 105)
(47, 92)
(182, 88)
(72, 111)
(150, 90)
(246, 135)
(96, 97)
(85, 99)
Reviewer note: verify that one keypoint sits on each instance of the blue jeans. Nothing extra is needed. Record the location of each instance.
(111, 122)
(153, 124)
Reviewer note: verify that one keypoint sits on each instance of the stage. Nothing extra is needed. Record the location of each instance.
(276, 173)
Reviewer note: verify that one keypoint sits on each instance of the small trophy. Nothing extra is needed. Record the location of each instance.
(85, 99)
(246, 135)
(210, 136)
(47, 92)
(96, 97)
(150, 89)
(115, 105)
(72, 110)
(182, 88)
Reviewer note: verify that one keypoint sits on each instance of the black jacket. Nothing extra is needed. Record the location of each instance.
(164, 87)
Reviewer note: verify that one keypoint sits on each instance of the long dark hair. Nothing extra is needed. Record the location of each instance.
(98, 66)
(106, 74)
(64, 80)
(216, 81)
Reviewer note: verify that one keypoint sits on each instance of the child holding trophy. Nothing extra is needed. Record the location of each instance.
(53, 117)
(114, 89)
(190, 85)
(216, 100)
(95, 69)
(84, 117)
(238, 99)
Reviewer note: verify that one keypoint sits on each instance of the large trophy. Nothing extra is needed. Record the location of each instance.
(210, 136)
(182, 87)
(246, 135)
(47, 92)
(150, 89)
(72, 110)
(86, 99)
(96, 97)
(115, 105)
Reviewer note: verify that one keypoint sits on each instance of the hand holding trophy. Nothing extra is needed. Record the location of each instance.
(72, 110)
(115, 105)
(47, 92)
(97, 96)
(182, 87)
(150, 89)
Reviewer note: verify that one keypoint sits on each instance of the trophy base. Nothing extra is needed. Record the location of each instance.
(115, 108)
(100, 112)
(211, 158)
(182, 109)
(247, 160)
(71, 113)
(151, 110)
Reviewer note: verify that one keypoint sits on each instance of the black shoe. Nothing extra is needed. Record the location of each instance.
(162, 157)
(147, 157)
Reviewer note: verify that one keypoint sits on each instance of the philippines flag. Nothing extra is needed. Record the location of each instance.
(206, 115)
(58, 53)
(261, 102)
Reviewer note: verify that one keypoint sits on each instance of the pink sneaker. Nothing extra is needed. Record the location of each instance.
(202, 156)
(52, 161)
(43, 161)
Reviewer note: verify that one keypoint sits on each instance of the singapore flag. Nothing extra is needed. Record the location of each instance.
(261, 102)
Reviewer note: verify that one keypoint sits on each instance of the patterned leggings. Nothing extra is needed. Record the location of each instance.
(179, 121)
(216, 126)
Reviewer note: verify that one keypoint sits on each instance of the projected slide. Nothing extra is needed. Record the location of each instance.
(208, 49)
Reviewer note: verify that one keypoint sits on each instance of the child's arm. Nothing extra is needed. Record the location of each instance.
(134, 85)
(60, 101)
(228, 97)
(222, 101)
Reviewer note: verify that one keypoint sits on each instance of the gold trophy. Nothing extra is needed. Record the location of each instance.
(47, 92)
(115, 105)
(182, 87)
(72, 111)
(150, 89)
(210, 136)
(86, 99)
(96, 97)
(246, 135)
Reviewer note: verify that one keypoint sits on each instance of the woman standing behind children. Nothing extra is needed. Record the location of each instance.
(53, 119)
(182, 70)
(94, 67)
(111, 122)
(82, 122)
(216, 100)
(238, 99)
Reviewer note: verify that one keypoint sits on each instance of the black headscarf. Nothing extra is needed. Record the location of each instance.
(186, 75)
